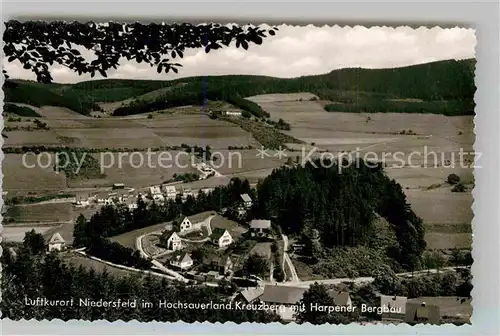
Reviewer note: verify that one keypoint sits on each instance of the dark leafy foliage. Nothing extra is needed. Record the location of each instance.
(22, 111)
(338, 209)
(38, 44)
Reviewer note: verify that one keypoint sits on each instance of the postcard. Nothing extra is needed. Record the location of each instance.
(221, 172)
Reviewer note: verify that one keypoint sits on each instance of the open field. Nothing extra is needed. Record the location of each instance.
(235, 229)
(39, 213)
(128, 239)
(134, 169)
(281, 97)
(449, 306)
(441, 207)
(242, 161)
(445, 241)
(32, 138)
(78, 260)
(19, 177)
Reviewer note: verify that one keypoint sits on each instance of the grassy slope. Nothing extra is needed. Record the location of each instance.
(437, 83)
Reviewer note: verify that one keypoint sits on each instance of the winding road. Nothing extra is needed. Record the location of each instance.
(288, 261)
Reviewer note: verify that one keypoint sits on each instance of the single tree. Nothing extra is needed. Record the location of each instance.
(453, 179)
(256, 265)
(317, 295)
(38, 44)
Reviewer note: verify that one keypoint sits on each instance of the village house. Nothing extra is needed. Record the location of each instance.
(340, 297)
(249, 295)
(174, 242)
(104, 198)
(247, 201)
(396, 306)
(82, 198)
(221, 237)
(171, 192)
(287, 296)
(56, 242)
(417, 311)
(158, 198)
(155, 190)
(131, 203)
(185, 225)
(118, 186)
(260, 227)
(182, 261)
(221, 264)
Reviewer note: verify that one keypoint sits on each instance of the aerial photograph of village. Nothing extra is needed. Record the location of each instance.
(237, 173)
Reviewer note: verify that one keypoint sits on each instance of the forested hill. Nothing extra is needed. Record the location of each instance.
(445, 87)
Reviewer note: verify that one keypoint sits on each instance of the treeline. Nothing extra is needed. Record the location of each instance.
(446, 81)
(32, 274)
(445, 107)
(331, 209)
(37, 95)
(22, 111)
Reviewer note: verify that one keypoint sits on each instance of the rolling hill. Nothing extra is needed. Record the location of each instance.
(443, 87)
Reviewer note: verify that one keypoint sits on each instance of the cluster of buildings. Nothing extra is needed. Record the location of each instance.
(127, 196)
(392, 309)
(159, 193)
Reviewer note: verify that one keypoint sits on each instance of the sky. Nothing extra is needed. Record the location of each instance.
(299, 51)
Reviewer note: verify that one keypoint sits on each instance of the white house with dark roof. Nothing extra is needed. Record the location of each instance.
(286, 296)
(155, 190)
(221, 237)
(185, 225)
(174, 242)
(56, 242)
(182, 261)
(171, 191)
(247, 201)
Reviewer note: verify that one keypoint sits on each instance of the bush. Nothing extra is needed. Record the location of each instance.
(453, 179)
(459, 188)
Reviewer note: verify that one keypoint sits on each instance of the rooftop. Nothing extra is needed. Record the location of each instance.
(217, 233)
(260, 224)
(282, 294)
(246, 198)
(398, 302)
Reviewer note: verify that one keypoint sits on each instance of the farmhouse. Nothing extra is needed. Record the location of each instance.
(418, 311)
(158, 197)
(131, 203)
(250, 294)
(260, 226)
(182, 261)
(234, 113)
(118, 186)
(82, 198)
(171, 192)
(285, 296)
(155, 190)
(396, 305)
(221, 237)
(56, 242)
(222, 265)
(247, 201)
(282, 295)
(174, 242)
(104, 198)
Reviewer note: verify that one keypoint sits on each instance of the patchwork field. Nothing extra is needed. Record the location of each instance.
(406, 142)
(77, 260)
(242, 161)
(16, 234)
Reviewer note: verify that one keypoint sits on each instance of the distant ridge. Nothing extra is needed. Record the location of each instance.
(443, 87)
